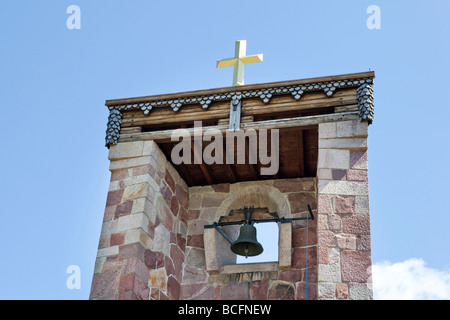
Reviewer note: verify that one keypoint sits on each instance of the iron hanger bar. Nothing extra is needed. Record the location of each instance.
(281, 220)
(216, 226)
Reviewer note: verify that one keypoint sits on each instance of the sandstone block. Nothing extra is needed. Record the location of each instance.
(324, 174)
(294, 185)
(334, 222)
(162, 240)
(158, 279)
(105, 285)
(344, 204)
(358, 160)
(114, 197)
(356, 266)
(356, 224)
(329, 273)
(129, 163)
(135, 191)
(126, 282)
(346, 241)
(132, 221)
(327, 130)
(360, 291)
(281, 290)
(345, 188)
(342, 291)
(117, 239)
(352, 128)
(138, 235)
(125, 150)
(324, 204)
(235, 292)
(362, 205)
(342, 143)
(326, 291)
(285, 246)
(357, 175)
(109, 251)
(334, 159)
(173, 288)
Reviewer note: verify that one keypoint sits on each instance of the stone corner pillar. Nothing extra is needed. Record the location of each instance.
(141, 231)
(344, 246)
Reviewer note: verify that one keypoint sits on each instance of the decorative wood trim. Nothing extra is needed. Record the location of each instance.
(297, 88)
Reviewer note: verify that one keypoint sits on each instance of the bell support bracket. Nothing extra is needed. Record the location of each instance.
(248, 220)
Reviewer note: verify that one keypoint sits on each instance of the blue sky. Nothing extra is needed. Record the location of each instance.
(54, 82)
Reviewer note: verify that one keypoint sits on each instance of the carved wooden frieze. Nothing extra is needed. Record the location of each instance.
(364, 89)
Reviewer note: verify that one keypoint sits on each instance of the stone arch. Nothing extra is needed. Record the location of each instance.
(257, 196)
(260, 195)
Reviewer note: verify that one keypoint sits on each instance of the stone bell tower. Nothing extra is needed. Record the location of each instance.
(160, 237)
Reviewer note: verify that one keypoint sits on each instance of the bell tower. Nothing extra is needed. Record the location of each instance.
(191, 169)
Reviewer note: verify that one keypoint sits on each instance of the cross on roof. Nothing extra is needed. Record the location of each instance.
(238, 61)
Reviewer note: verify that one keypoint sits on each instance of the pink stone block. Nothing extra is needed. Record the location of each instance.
(126, 282)
(281, 290)
(356, 224)
(344, 204)
(298, 201)
(258, 290)
(114, 198)
(237, 291)
(170, 181)
(105, 285)
(294, 185)
(341, 291)
(323, 255)
(327, 239)
(117, 239)
(299, 237)
(356, 266)
(358, 160)
(346, 241)
(334, 222)
(223, 187)
(119, 174)
(123, 209)
(339, 174)
(324, 204)
(357, 175)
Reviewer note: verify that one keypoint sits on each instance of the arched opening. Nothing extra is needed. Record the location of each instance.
(273, 236)
(267, 236)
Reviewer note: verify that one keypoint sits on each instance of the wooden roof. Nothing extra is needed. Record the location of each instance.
(294, 107)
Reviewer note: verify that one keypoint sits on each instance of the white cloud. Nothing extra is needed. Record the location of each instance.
(409, 280)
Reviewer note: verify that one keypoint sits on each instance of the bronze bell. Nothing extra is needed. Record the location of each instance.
(246, 244)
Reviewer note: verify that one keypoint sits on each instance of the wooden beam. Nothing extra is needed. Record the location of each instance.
(300, 156)
(198, 159)
(230, 173)
(297, 122)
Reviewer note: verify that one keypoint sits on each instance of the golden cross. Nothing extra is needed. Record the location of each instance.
(238, 61)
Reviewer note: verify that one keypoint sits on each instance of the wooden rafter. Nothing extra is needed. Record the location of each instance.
(300, 156)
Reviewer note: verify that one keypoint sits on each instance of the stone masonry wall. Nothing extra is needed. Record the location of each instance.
(207, 204)
(151, 244)
(152, 239)
(344, 251)
(143, 232)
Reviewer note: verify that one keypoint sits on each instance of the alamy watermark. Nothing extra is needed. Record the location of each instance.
(74, 20)
(374, 20)
(234, 144)
(74, 280)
